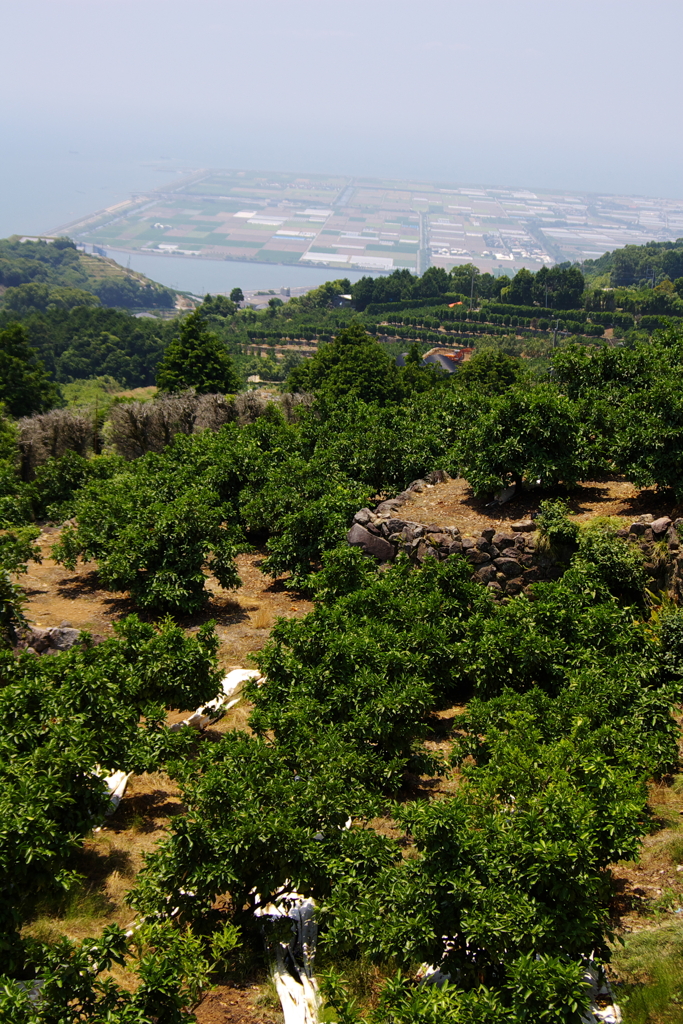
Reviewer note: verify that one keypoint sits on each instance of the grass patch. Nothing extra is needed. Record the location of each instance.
(674, 849)
(649, 972)
(262, 618)
(602, 524)
(267, 998)
(660, 554)
(98, 391)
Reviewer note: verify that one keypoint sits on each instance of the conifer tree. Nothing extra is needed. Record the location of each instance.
(25, 385)
(197, 359)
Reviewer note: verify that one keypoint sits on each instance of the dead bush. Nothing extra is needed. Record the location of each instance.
(138, 427)
(50, 435)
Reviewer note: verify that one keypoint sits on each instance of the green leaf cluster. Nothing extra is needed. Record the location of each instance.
(62, 717)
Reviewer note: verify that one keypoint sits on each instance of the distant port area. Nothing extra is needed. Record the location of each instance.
(372, 226)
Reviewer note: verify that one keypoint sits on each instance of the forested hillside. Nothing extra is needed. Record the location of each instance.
(76, 338)
(39, 275)
(453, 777)
(640, 265)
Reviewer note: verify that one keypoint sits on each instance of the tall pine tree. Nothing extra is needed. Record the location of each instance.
(197, 359)
(25, 385)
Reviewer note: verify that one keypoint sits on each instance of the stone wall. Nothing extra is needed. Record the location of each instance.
(507, 561)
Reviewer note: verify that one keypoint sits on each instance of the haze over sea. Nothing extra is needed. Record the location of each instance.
(102, 99)
(50, 186)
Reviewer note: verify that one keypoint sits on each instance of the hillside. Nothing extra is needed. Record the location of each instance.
(457, 597)
(42, 275)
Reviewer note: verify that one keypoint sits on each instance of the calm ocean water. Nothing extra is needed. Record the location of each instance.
(199, 276)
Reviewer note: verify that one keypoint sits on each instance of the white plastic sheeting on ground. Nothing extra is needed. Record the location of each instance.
(293, 970)
(232, 686)
(116, 784)
(602, 1008)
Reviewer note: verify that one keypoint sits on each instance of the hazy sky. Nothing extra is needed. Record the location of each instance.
(582, 94)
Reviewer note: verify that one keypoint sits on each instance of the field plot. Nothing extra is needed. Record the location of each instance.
(375, 225)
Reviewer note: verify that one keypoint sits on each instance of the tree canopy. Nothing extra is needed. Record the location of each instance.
(197, 359)
(352, 365)
(25, 386)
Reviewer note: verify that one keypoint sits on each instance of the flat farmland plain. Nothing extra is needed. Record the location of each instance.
(374, 225)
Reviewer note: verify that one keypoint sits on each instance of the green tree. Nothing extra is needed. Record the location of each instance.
(491, 372)
(354, 364)
(528, 433)
(152, 534)
(391, 288)
(462, 278)
(435, 281)
(559, 287)
(25, 386)
(237, 295)
(519, 291)
(197, 359)
(218, 305)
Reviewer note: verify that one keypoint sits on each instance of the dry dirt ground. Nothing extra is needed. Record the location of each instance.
(453, 504)
(244, 617)
(232, 1004)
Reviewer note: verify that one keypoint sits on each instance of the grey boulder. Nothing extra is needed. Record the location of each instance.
(371, 545)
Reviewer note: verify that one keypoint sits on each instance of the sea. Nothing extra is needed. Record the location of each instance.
(200, 276)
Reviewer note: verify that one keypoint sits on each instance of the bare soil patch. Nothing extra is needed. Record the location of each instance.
(243, 617)
(453, 504)
(228, 1004)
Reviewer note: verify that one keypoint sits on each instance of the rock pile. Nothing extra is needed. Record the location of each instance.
(507, 561)
(52, 640)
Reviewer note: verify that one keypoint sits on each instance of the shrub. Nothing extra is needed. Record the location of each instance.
(50, 436)
(611, 562)
(554, 523)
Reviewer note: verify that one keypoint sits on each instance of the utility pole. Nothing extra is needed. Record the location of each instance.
(557, 324)
(472, 290)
